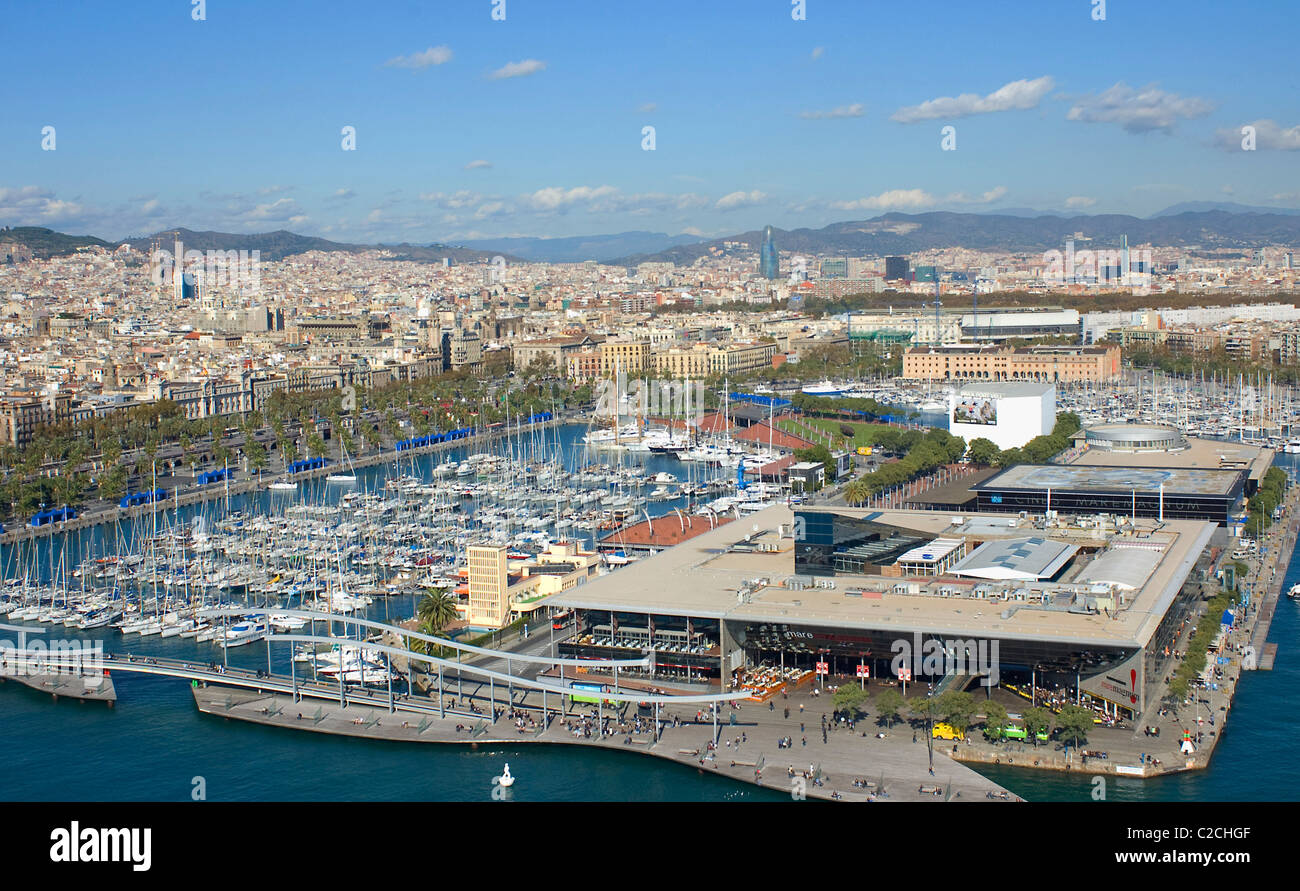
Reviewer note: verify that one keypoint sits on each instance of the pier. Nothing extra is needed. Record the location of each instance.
(70, 685)
(891, 769)
(723, 733)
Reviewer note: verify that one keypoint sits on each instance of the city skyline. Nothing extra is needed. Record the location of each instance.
(468, 127)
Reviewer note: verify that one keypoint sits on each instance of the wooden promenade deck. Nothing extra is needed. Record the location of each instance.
(893, 764)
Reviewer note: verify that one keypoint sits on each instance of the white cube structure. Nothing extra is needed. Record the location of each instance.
(1008, 413)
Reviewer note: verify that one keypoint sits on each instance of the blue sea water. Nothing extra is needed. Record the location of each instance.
(155, 744)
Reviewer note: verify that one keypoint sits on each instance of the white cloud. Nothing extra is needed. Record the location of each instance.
(737, 200)
(434, 55)
(454, 200)
(342, 194)
(32, 205)
(1077, 201)
(517, 69)
(894, 199)
(1138, 111)
(856, 110)
(1017, 95)
(479, 164)
(280, 210)
(555, 198)
(649, 107)
(917, 199)
(1269, 135)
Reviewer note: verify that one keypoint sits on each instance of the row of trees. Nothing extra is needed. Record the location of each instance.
(1084, 301)
(87, 456)
(1271, 491)
(835, 407)
(1195, 658)
(962, 710)
(931, 450)
(1038, 450)
(1216, 362)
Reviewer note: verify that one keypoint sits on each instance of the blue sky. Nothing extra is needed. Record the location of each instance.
(234, 123)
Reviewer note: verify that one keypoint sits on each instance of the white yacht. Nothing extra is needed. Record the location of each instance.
(243, 633)
(282, 622)
(825, 388)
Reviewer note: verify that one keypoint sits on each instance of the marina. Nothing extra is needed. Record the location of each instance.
(225, 581)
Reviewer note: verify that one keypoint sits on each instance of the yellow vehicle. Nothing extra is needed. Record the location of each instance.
(865, 451)
(943, 730)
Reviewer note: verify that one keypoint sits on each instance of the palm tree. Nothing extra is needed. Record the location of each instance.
(436, 610)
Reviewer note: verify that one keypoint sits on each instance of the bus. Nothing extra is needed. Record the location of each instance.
(561, 619)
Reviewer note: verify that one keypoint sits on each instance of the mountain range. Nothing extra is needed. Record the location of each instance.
(584, 247)
(901, 233)
(281, 243)
(45, 243)
(1193, 225)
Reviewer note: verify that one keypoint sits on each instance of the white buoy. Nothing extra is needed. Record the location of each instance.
(506, 779)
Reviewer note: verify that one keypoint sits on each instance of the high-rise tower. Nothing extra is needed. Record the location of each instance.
(769, 263)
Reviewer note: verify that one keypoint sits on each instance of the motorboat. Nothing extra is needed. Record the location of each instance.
(282, 622)
(824, 388)
(242, 633)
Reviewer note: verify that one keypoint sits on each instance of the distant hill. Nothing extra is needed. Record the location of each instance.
(434, 253)
(1229, 206)
(272, 245)
(280, 244)
(45, 243)
(901, 233)
(579, 248)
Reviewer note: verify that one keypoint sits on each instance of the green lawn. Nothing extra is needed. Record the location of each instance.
(864, 433)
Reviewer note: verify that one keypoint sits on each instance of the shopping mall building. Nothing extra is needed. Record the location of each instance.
(1090, 603)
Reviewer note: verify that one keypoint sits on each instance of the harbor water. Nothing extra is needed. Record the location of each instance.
(155, 745)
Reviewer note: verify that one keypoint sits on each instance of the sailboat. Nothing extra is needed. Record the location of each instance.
(284, 484)
(349, 477)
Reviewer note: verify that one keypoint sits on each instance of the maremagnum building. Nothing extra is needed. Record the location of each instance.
(1091, 603)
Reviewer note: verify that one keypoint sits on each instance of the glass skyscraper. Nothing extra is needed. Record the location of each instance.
(769, 263)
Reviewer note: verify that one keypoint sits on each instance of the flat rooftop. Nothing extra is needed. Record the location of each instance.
(1111, 479)
(1203, 454)
(1031, 558)
(704, 578)
(1007, 390)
